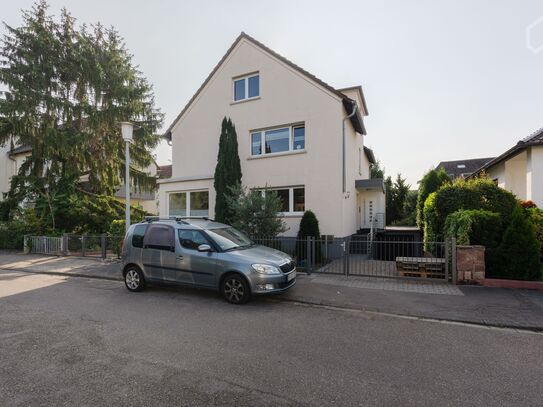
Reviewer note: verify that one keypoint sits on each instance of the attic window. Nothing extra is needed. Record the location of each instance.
(247, 87)
(461, 166)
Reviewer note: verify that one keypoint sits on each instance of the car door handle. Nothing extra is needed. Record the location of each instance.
(179, 257)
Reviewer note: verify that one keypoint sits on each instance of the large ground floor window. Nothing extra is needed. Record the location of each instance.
(292, 199)
(188, 203)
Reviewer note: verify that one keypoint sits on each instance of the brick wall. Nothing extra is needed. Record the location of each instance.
(470, 264)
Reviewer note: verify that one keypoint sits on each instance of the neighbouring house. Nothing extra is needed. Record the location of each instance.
(296, 135)
(462, 168)
(11, 159)
(520, 169)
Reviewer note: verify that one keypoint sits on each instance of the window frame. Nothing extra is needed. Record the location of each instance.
(147, 236)
(262, 132)
(291, 211)
(188, 200)
(245, 79)
(206, 238)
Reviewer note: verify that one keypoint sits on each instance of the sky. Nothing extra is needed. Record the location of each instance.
(443, 80)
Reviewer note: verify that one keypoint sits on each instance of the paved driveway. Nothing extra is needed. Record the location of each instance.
(78, 341)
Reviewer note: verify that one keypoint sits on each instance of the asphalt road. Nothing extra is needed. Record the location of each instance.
(77, 341)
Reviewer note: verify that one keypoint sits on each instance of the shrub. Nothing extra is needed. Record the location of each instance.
(115, 235)
(536, 217)
(255, 213)
(478, 193)
(518, 253)
(528, 204)
(309, 227)
(431, 182)
(473, 226)
(476, 227)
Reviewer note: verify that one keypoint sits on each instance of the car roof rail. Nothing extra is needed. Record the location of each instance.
(150, 219)
(198, 217)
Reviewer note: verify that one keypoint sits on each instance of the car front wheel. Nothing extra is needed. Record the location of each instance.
(235, 289)
(134, 280)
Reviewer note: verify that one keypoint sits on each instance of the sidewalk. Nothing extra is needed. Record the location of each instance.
(479, 305)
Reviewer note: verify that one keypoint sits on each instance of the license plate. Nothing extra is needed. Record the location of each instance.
(291, 276)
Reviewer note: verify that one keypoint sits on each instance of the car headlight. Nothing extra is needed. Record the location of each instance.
(266, 269)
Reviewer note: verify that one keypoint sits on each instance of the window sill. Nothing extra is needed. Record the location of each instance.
(237, 102)
(293, 152)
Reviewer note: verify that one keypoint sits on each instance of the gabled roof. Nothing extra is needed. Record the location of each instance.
(463, 168)
(534, 139)
(356, 120)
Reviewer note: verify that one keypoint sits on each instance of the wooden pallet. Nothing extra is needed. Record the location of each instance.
(420, 267)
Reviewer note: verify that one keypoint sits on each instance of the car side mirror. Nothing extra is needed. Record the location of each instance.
(204, 248)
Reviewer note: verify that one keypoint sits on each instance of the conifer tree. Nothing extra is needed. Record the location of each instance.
(227, 171)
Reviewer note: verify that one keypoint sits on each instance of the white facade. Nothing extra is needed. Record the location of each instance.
(521, 174)
(288, 98)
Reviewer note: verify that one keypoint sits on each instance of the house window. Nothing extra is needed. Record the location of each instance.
(292, 199)
(278, 140)
(189, 203)
(247, 87)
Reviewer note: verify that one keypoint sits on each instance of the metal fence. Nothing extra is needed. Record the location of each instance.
(98, 246)
(361, 256)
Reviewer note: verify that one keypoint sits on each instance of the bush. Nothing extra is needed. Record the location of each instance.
(536, 217)
(473, 226)
(476, 227)
(478, 193)
(431, 182)
(115, 235)
(518, 253)
(309, 227)
(255, 213)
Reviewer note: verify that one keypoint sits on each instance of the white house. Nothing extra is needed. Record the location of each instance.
(520, 169)
(296, 134)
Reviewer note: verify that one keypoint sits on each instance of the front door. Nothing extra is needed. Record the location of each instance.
(158, 257)
(196, 267)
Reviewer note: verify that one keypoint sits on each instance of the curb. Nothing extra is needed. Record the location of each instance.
(533, 329)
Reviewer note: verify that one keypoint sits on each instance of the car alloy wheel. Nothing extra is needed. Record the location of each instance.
(134, 280)
(235, 290)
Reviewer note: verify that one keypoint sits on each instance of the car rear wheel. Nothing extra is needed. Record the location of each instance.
(133, 279)
(235, 289)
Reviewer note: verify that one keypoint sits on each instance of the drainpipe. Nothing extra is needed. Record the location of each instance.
(344, 144)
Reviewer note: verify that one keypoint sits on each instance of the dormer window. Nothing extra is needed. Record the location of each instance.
(246, 87)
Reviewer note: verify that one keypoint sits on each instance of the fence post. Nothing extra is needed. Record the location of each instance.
(345, 257)
(103, 243)
(447, 241)
(64, 244)
(325, 248)
(308, 253)
(83, 245)
(26, 249)
(314, 244)
(453, 254)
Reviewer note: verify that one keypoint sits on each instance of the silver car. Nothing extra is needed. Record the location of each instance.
(203, 253)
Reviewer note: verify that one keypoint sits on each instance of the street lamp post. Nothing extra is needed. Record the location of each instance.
(127, 129)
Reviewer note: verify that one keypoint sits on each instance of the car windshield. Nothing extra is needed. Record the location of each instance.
(229, 238)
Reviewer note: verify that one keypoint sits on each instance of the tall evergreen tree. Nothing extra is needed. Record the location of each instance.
(67, 90)
(227, 171)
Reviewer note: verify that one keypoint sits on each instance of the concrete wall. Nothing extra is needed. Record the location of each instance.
(286, 98)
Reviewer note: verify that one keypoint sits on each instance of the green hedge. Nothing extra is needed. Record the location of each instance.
(478, 193)
(473, 226)
(518, 254)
